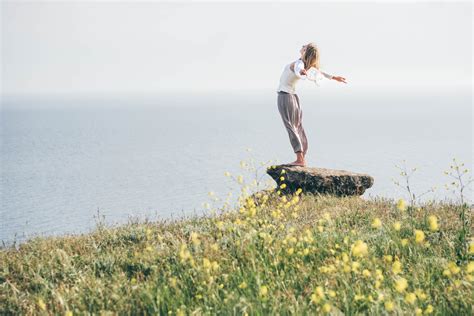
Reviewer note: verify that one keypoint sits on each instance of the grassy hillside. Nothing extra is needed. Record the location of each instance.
(302, 254)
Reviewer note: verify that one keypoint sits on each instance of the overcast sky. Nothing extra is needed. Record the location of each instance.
(85, 48)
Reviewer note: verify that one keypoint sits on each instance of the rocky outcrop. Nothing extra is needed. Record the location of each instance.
(319, 180)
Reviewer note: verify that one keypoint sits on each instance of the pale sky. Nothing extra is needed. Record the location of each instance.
(86, 48)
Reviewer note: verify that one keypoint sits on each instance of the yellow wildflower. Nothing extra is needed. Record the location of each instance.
(404, 242)
(282, 186)
(401, 205)
(388, 258)
(41, 304)
(359, 297)
(290, 251)
(319, 291)
(366, 273)
(401, 285)
(471, 248)
(240, 179)
(429, 309)
(355, 266)
(419, 236)
(420, 294)
(326, 308)
(148, 232)
(396, 267)
(243, 285)
(453, 268)
(68, 313)
(433, 223)
(195, 239)
(359, 249)
(418, 311)
(282, 178)
(173, 281)
(397, 226)
(470, 267)
(220, 225)
(252, 212)
(376, 223)
(389, 306)
(379, 274)
(184, 253)
(227, 174)
(318, 295)
(263, 290)
(410, 298)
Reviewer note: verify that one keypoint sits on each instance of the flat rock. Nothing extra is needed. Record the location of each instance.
(320, 180)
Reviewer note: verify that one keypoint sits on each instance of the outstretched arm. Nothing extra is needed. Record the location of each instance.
(331, 77)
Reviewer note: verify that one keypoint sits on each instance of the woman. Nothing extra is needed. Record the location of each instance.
(289, 103)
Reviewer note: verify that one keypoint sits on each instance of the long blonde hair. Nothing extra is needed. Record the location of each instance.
(311, 56)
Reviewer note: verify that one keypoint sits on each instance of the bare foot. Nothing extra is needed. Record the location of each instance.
(298, 163)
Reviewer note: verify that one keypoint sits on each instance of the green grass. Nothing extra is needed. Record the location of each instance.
(305, 255)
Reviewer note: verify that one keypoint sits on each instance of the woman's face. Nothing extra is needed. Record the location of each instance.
(302, 50)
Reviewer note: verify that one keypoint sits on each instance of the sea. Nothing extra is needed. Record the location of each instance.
(70, 162)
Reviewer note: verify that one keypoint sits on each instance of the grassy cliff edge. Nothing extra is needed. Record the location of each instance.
(300, 254)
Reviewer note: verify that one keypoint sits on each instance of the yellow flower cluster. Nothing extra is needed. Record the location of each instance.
(433, 223)
(419, 236)
(376, 223)
(401, 205)
(359, 249)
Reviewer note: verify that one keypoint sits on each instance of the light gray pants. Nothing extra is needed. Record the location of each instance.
(292, 115)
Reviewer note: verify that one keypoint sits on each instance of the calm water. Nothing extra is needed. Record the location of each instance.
(63, 160)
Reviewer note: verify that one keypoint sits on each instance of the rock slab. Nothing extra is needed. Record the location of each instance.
(320, 180)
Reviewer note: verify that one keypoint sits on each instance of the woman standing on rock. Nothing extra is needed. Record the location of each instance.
(289, 103)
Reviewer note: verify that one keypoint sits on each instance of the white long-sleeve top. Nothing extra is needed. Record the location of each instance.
(289, 78)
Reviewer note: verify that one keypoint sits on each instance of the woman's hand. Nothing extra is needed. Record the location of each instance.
(340, 79)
